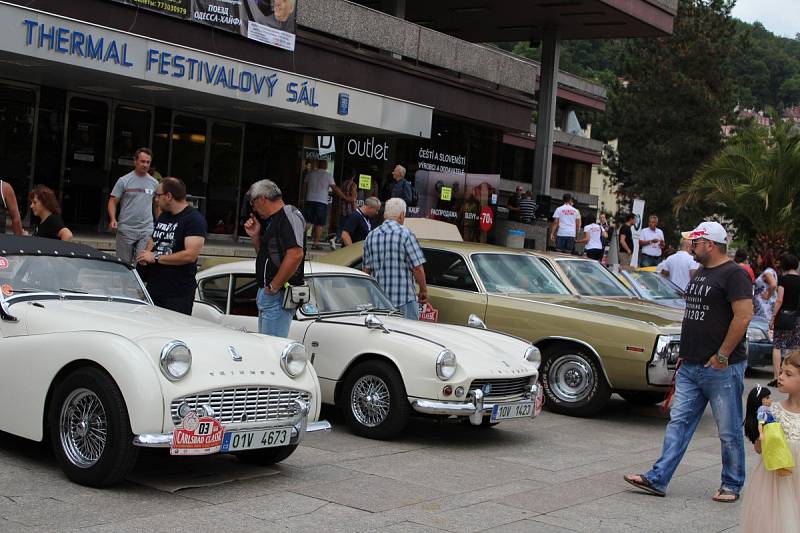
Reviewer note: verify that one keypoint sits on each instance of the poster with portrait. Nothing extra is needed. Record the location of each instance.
(480, 193)
(267, 21)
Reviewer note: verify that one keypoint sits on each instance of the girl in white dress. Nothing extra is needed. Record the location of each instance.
(771, 501)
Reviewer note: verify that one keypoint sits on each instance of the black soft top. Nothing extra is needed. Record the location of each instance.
(22, 245)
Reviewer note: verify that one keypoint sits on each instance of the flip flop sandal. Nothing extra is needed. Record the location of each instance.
(725, 492)
(644, 484)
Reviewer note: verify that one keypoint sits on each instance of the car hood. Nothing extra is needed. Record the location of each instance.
(627, 308)
(480, 352)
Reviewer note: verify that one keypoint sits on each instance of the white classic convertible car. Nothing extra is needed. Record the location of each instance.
(378, 367)
(89, 362)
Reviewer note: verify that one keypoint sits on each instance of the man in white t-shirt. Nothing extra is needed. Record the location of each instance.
(651, 241)
(680, 267)
(566, 225)
(315, 209)
(593, 235)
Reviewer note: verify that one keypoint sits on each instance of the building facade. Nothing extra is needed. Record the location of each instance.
(84, 83)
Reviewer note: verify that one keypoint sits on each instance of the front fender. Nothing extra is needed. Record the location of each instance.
(32, 363)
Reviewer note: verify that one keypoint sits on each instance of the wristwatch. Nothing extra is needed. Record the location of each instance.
(155, 257)
(723, 359)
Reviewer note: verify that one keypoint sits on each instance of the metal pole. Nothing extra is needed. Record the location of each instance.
(545, 124)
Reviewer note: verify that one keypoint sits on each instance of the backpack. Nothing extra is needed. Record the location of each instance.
(414, 195)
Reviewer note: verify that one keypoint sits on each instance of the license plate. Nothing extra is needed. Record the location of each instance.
(251, 440)
(511, 410)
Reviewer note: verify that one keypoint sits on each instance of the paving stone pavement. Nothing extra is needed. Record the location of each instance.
(553, 475)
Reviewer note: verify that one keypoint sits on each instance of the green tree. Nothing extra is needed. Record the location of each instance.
(754, 182)
(790, 91)
(667, 112)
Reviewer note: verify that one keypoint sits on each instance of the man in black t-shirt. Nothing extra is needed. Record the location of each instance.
(713, 360)
(178, 238)
(358, 224)
(626, 241)
(280, 245)
(513, 204)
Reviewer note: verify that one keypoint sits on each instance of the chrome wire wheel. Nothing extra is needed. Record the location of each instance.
(83, 428)
(571, 378)
(370, 401)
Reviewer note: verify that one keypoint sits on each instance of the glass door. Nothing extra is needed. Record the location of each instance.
(224, 169)
(188, 156)
(85, 168)
(131, 130)
(17, 125)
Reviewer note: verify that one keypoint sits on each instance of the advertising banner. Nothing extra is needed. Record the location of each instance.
(268, 21)
(638, 212)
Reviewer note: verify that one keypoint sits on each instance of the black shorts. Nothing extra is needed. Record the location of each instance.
(316, 213)
(595, 253)
(181, 303)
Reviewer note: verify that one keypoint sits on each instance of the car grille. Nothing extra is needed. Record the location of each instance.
(502, 388)
(244, 404)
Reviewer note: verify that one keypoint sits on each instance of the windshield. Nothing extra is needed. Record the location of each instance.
(26, 273)
(590, 278)
(654, 286)
(512, 273)
(342, 294)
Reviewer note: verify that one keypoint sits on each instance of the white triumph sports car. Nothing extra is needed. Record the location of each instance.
(89, 362)
(378, 367)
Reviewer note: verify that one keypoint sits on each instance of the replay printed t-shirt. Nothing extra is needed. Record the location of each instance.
(168, 238)
(135, 194)
(567, 216)
(708, 315)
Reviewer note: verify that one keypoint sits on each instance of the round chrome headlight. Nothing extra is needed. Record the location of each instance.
(533, 355)
(294, 359)
(445, 365)
(176, 360)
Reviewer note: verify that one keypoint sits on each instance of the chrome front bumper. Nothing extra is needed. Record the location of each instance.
(475, 407)
(299, 423)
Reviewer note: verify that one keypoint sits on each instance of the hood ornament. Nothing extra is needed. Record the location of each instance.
(235, 355)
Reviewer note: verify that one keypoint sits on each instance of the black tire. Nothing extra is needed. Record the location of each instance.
(637, 397)
(266, 456)
(573, 381)
(382, 419)
(76, 449)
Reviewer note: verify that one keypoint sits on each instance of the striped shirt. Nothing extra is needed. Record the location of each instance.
(391, 251)
(527, 209)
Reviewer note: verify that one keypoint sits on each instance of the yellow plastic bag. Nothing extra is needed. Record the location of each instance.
(775, 448)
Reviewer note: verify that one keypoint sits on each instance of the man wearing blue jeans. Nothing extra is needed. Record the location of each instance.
(279, 244)
(713, 361)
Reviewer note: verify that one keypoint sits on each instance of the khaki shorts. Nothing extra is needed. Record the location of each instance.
(624, 259)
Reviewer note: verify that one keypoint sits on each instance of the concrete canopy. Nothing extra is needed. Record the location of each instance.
(523, 20)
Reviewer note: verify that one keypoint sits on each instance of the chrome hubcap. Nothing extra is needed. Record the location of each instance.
(571, 378)
(83, 428)
(370, 400)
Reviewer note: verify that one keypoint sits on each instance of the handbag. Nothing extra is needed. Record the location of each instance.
(775, 450)
(785, 320)
(296, 295)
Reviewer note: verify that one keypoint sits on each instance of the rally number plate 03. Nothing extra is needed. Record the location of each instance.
(511, 410)
(235, 441)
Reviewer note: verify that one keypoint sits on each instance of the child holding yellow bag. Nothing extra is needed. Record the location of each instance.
(772, 495)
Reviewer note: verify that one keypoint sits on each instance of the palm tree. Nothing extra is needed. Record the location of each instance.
(755, 181)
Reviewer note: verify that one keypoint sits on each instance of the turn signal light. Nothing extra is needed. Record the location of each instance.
(447, 390)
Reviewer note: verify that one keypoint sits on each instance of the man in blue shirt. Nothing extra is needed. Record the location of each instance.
(358, 224)
(392, 255)
(401, 188)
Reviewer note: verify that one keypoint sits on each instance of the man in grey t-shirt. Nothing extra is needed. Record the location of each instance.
(134, 192)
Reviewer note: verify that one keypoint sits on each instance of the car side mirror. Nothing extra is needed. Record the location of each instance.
(474, 321)
(5, 311)
(373, 322)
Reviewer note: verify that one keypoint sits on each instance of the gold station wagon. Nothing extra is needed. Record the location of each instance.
(590, 346)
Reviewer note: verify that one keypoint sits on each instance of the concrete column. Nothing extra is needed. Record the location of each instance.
(546, 106)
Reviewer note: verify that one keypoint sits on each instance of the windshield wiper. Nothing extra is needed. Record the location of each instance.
(73, 291)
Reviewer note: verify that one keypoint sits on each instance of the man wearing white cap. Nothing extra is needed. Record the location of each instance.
(713, 360)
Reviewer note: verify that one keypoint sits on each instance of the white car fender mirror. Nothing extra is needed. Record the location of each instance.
(373, 322)
(474, 321)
